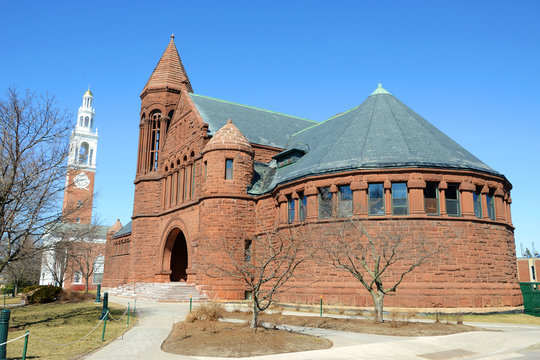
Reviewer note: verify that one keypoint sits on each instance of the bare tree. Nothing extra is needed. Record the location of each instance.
(83, 252)
(24, 273)
(379, 261)
(264, 264)
(33, 153)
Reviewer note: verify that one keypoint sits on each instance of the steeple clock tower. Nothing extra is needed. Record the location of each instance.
(79, 193)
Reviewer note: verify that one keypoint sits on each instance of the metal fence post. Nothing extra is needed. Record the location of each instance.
(190, 303)
(321, 305)
(104, 326)
(25, 345)
(4, 325)
(105, 306)
(98, 294)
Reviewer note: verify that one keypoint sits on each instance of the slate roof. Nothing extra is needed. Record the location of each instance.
(125, 230)
(259, 126)
(380, 133)
(100, 230)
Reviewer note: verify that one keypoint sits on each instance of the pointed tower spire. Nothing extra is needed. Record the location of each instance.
(169, 72)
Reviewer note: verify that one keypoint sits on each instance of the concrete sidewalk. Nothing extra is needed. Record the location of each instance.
(509, 342)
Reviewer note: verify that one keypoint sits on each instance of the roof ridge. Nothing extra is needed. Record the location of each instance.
(399, 126)
(251, 107)
(324, 121)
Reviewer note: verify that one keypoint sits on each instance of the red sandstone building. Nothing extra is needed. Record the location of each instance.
(202, 179)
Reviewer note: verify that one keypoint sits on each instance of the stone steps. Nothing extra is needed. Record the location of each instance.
(158, 292)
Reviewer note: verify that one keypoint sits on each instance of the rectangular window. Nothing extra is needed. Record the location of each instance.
(180, 191)
(77, 277)
(452, 200)
(400, 204)
(490, 205)
(431, 198)
(247, 250)
(302, 207)
(376, 199)
(228, 169)
(290, 207)
(477, 200)
(345, 201)
(186, 180)
(325, 203)
(193, 167)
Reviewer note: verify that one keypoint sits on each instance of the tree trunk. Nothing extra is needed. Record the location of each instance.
(86, 285)
(254, 316)
(378, 298)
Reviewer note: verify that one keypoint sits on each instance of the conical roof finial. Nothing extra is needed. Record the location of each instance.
(88, 92)
(380, 90)
(172, 36)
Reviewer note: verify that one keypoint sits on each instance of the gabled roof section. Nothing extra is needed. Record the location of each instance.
(124, 230)
(380, 133)
(259, 126)
(169, 72)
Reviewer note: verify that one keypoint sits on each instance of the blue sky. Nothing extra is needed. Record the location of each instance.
(470, 68)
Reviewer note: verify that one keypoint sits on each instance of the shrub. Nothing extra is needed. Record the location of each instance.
(210, 311)
(75, 296)
(45, 294)
(30, 288)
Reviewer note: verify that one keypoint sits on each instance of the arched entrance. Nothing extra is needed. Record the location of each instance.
(177, 248)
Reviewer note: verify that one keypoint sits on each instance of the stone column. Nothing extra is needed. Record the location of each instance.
(359, 190)
(484, 192)
(508, 212)
(442, 197)
(387, 197)
(334, 190)
(416, 196)
(282, 201)
(312, 203)
(499, 208)
(295, 198)
(467, 204)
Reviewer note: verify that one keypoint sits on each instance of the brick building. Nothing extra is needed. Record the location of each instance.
(211, 171)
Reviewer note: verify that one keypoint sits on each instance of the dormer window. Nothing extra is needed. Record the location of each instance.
(288, 157)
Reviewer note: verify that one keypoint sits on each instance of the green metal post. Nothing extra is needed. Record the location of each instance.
(98, 294)
(104, 326)
(105, 308)
(4, 325)
(190, 303)
(321, 305)
(128, 315)
(25, 346)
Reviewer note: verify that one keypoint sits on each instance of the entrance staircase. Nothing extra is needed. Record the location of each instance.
(158, 292)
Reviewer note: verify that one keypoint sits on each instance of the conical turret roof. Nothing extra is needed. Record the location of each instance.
(169, 71)
(228, 138)
(380, 133)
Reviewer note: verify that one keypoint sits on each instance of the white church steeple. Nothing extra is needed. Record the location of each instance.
(83, 144)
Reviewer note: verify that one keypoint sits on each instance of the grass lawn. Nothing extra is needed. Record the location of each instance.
(9, 300)
(504, 318)
(62, 322)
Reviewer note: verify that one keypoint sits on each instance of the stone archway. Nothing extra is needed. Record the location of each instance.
(176, 255)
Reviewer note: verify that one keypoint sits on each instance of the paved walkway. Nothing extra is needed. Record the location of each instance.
(510, 342)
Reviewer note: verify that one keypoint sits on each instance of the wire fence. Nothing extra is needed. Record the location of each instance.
(102, 320)
(72, 342)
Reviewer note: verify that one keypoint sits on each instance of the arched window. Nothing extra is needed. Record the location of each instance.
(99, 263)
(81, 121)
(86, 121)
(91, 123)
(83, 154)
(154, 145)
